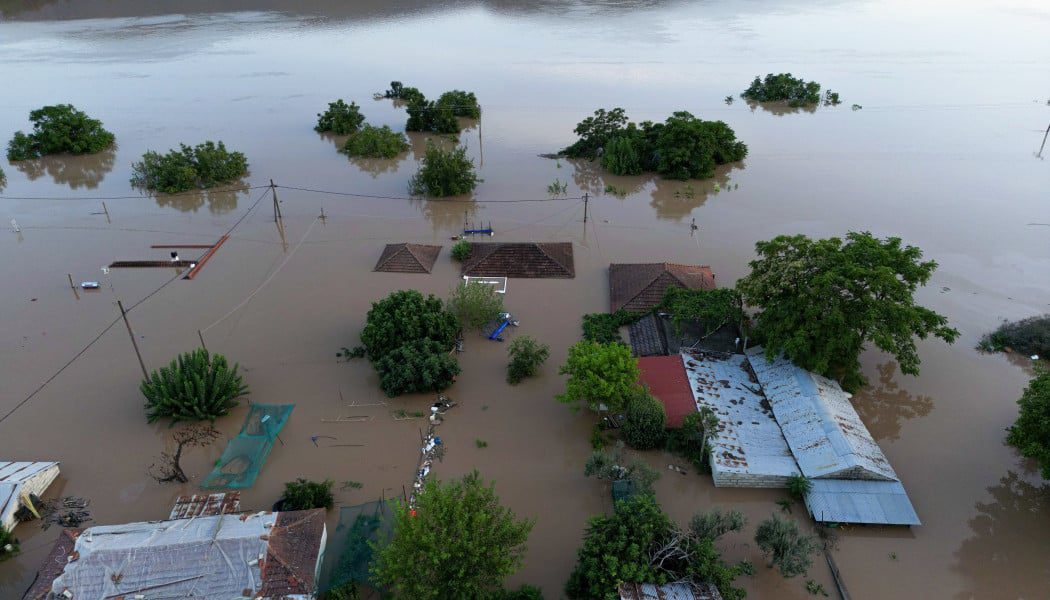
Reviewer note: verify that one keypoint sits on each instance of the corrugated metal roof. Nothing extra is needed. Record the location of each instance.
(19, 479)
(749, 440)
(820, 424)
(668, 591)
(859, 501)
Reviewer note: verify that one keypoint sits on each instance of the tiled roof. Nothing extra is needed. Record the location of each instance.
(291, 557)
(53, 565)
(647, 337)
(640, 287)
(520, 260)
(823, 429)
(408, 258)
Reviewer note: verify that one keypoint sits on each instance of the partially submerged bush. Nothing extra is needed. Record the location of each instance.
(463, 104)
(425, 115)
(601, 376)
(196, 386)
(1030, 434)
(614, 466)
(526, 356)
(340, 118)
(461, 250)
(692, 440)
(682, 147)
(8, 544)
(202, 166)
(475, 304)
(787, 548)
(1027, 336)
(376, 142)
(783, 87)
(57, 129)
(798, 486)
(444, 173)
(304, 495)
(644, 421)
(418, 366)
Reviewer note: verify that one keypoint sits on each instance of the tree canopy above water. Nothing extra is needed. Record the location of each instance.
(57, 129)
(784, 87)
(682, 147)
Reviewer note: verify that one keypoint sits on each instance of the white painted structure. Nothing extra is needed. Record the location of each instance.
(17, 481)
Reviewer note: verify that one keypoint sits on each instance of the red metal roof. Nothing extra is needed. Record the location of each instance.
(667, 381)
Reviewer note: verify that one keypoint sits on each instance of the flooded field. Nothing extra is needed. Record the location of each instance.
(943, 154)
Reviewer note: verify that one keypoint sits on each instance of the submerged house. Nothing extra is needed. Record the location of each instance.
(526, 260)
(266, 555)
(640, 287)
(19, 481)
(777, 420)
(408, 258)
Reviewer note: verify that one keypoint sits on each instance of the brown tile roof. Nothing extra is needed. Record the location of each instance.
(291, 556)
(640, 287)
(408, 258)
(53, 565)
(522, 260)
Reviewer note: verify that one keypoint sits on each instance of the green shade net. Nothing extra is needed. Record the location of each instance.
(245, 454)
(623, 489)
(350, 545)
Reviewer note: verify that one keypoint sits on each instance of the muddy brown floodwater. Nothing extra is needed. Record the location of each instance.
(942, 154)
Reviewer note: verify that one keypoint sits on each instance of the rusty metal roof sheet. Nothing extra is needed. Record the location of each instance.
(860, 501)
(206, 505)
(640, 287)
(749, 440)
(669, 591)
(820, 424)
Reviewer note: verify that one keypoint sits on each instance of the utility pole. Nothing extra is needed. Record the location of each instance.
(124, 315)
(586, 200)
(276, 205)
(201, 336)
(1040, 155)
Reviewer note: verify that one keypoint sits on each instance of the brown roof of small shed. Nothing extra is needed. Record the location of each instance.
(520, 260)
(640, 287)
(291, 556)
(53, 565)
(408, 258)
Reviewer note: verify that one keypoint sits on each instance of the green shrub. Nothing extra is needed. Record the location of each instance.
(444, 173)
(621, 156)
(396, 90)
(713, 309)
(644, 422)
(689, 440)
(424, 115)
(376, 142)
(788, 549)
(346, 591)
(475, 304)
(417, 366)
(8, 539)
(526, 356)
(783, 87)
(340, 118)
(798, 486)
(525, 592)
(1027, 336)
(404, 316)
(202, 166)
(196, 386)
(461, 250)
(614, 466)
(604, 328)
(305, 495)
(462, 104)
(1030, 434)
(57, 129)
(600, 375)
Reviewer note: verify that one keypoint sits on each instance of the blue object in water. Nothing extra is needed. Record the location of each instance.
(495, 335)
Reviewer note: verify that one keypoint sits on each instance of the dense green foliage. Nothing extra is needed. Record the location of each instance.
(604, 328)
(444, 173)
(1030, 434)
(304, 495)
(1027, 336)
(644, 421)
(638, 543)
(404, 316)
(788, 549)
(396, 91)
(462, 104)
(375, 142)
(526, 356)
(691, 439)
(712, 309)
(459, 542)
(7, 538)
(196, 386)
(57, 129)
(417, 366)
(783, 87)
(525, 592)
(682, 147)
(340, 118)
(820, 301)
(427, 115)
(600, 375)
(346, 591)
(461, 250)
(798, 486)
(713, 525)
(408, 338)
(614, 466)
(475, 304)
(202, 166)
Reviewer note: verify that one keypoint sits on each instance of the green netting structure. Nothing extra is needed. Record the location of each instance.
(245, 454)
(350, 546)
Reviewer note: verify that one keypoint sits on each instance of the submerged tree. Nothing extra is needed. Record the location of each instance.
(526, 356)
(302, 494)
(196, 386)
(444, 173)
(169, 468)
(713, 525)
(462, 104)
(57, 129)
(644, 421)
(615, 466)
(475, 304)
(821, 301)
(787, 548)
(1027, 336)
(416, 366)
(1030, 434)
(783, 87)
(601, 376)
(375, 142)
(202, 166)
(459, 542)
(340, 118)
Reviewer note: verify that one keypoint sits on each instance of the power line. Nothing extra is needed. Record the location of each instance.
(356, 195)
(137, 197)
